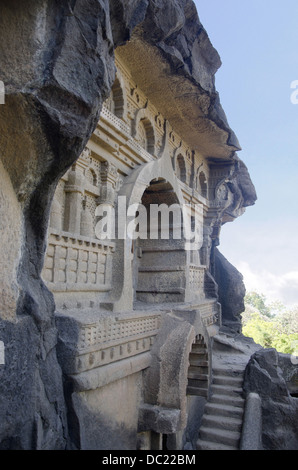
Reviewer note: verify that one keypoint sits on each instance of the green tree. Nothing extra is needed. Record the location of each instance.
(258, 301)
(289, 320)
(271, 326)
(260, 329)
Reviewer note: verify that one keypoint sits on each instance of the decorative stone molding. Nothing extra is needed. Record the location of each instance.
(87, 345)
(101, 376)
(115, 329)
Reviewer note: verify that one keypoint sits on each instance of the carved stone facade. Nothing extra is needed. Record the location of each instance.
(115, 298)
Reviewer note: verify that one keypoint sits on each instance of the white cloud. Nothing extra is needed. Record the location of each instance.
(283, 287)
(265, 253)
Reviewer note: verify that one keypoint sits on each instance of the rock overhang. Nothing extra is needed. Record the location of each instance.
(177, 75)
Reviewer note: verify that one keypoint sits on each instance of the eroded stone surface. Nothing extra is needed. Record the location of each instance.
(231, 291)
(55, 84)
(264, 376)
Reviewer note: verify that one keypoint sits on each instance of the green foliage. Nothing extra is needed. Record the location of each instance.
(258, 301)
(271, 326)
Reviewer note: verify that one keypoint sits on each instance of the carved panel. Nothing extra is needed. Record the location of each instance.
(210, 313)
(77, 264)
(196, 279)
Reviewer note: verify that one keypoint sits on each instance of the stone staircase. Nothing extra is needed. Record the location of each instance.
(198, 371)
(221, 424)
(222, 421)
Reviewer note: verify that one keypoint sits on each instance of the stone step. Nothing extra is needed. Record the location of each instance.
(199, 352)
(222, 422)
(193, 373)
(223, 409)
(195, 360)
(221, 436)
(200, 370)
(228, 371)
(198, 359)
(198, 383)
(207, 445)
(196, 391)
(198, 346)
(228, 381)
(224, 390)
(201, 359)
(199, 341)
(232, 400)
(204, 369)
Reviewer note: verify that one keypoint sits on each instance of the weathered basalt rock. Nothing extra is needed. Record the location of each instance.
(172, 37)
(264, 376)
(55, 85)
(231, 291)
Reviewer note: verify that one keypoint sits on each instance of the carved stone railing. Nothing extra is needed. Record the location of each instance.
(89, 344)
(112, 330)
(118, 123)
(124, 129)
(76, 263)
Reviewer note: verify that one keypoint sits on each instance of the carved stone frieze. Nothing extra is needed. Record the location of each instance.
(107, 340)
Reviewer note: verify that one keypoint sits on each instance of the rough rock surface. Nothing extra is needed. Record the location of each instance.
(57, 64)
(174, 38)
(231, 291)
(264, 376)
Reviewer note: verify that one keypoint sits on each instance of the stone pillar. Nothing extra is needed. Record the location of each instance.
(108, 190)
(86, 229)
(109, 179)
(73, 201)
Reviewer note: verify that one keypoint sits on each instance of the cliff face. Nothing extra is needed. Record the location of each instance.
(58, 67)
(231, 292)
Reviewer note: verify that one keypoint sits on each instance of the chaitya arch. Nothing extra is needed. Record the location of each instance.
(143, 119)
(116, 102)
(156, 174)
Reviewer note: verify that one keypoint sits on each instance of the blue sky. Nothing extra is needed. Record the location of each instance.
(258, 44)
